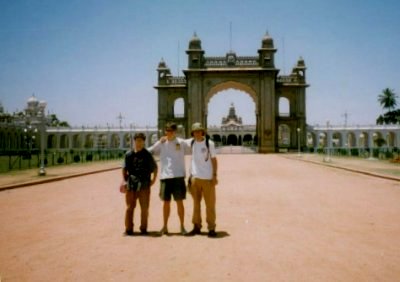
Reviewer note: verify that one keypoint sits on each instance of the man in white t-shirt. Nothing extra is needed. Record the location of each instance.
(172, 177)
(203, 179)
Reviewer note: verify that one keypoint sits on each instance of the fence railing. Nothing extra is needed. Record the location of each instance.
(19, 160)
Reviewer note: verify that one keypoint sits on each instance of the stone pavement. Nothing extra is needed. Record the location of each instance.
(278, 219)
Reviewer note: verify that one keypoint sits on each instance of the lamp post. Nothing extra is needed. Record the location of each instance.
(30, 139)
(328, 158)
(42, 124)
(298, 140)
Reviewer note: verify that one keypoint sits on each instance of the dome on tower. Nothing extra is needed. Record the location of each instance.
(267, 41)
(162, 64)
(33, 102)
(195, 43)
(300, 62)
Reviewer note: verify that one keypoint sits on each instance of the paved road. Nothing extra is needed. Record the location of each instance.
(278, 219)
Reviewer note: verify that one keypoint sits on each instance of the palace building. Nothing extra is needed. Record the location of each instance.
(19, 133)
(232, 131)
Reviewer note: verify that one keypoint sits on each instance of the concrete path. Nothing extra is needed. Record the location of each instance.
(28, 177)
(370, 166)
(278, 219)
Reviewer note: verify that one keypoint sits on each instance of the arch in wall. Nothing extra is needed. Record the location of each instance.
(126, 140)
(351, 140)
(363, 140)
(232, 140)
(391, 139)
(102, 141)
(51, 141)
(89, 141)
(64, 141)
(114, 142)
(284, 135)
(322, 139)
(216, 138)
(247, 139)
(179, 108)
(377, 139)
(76, 141)
(311, 140)
(284, 107)
(337, 139)
(226, 85)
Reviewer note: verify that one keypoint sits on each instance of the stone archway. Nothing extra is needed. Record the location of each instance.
(254, 75)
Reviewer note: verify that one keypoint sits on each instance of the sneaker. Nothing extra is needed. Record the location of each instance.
(195, 231)
(212, 234)
(128, 233)
(164, 231)
(183, 231)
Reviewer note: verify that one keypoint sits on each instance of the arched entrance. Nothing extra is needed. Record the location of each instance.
(254, 75)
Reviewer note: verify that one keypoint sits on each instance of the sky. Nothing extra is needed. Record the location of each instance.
(91, 60)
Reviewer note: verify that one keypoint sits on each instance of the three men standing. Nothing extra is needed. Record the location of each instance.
(203, 178)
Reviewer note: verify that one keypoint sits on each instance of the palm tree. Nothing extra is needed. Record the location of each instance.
(387, 99)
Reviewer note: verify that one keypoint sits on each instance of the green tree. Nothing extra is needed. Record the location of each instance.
(387, 99)
(392, 117)
(54, 121)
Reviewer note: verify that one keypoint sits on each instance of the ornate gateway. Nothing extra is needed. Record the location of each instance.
(256, 76)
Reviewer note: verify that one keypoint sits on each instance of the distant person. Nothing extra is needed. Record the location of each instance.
(140, 173)
(172, 177)
(203, 179)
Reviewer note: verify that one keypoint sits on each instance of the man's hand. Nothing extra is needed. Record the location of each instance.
(214, 181)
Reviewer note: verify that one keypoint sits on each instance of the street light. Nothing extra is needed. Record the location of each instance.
(298, 140)
(42, 124)
(328, 157)
(30, 139)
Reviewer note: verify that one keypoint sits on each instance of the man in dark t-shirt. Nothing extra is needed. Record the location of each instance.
(139, 172)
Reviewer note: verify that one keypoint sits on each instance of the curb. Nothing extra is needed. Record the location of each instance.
(52, 179)
(388, 177)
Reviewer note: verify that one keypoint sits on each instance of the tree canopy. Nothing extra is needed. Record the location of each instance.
(388, 101)
(54, 121)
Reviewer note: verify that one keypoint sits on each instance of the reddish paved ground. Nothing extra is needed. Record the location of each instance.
(278, 219)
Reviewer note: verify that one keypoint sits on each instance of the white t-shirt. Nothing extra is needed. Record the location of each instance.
(172, 157)
(201, 159)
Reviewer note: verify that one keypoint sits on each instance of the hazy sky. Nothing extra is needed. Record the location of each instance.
(92, 59)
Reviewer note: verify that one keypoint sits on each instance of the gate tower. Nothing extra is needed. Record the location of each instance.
(254, 75)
